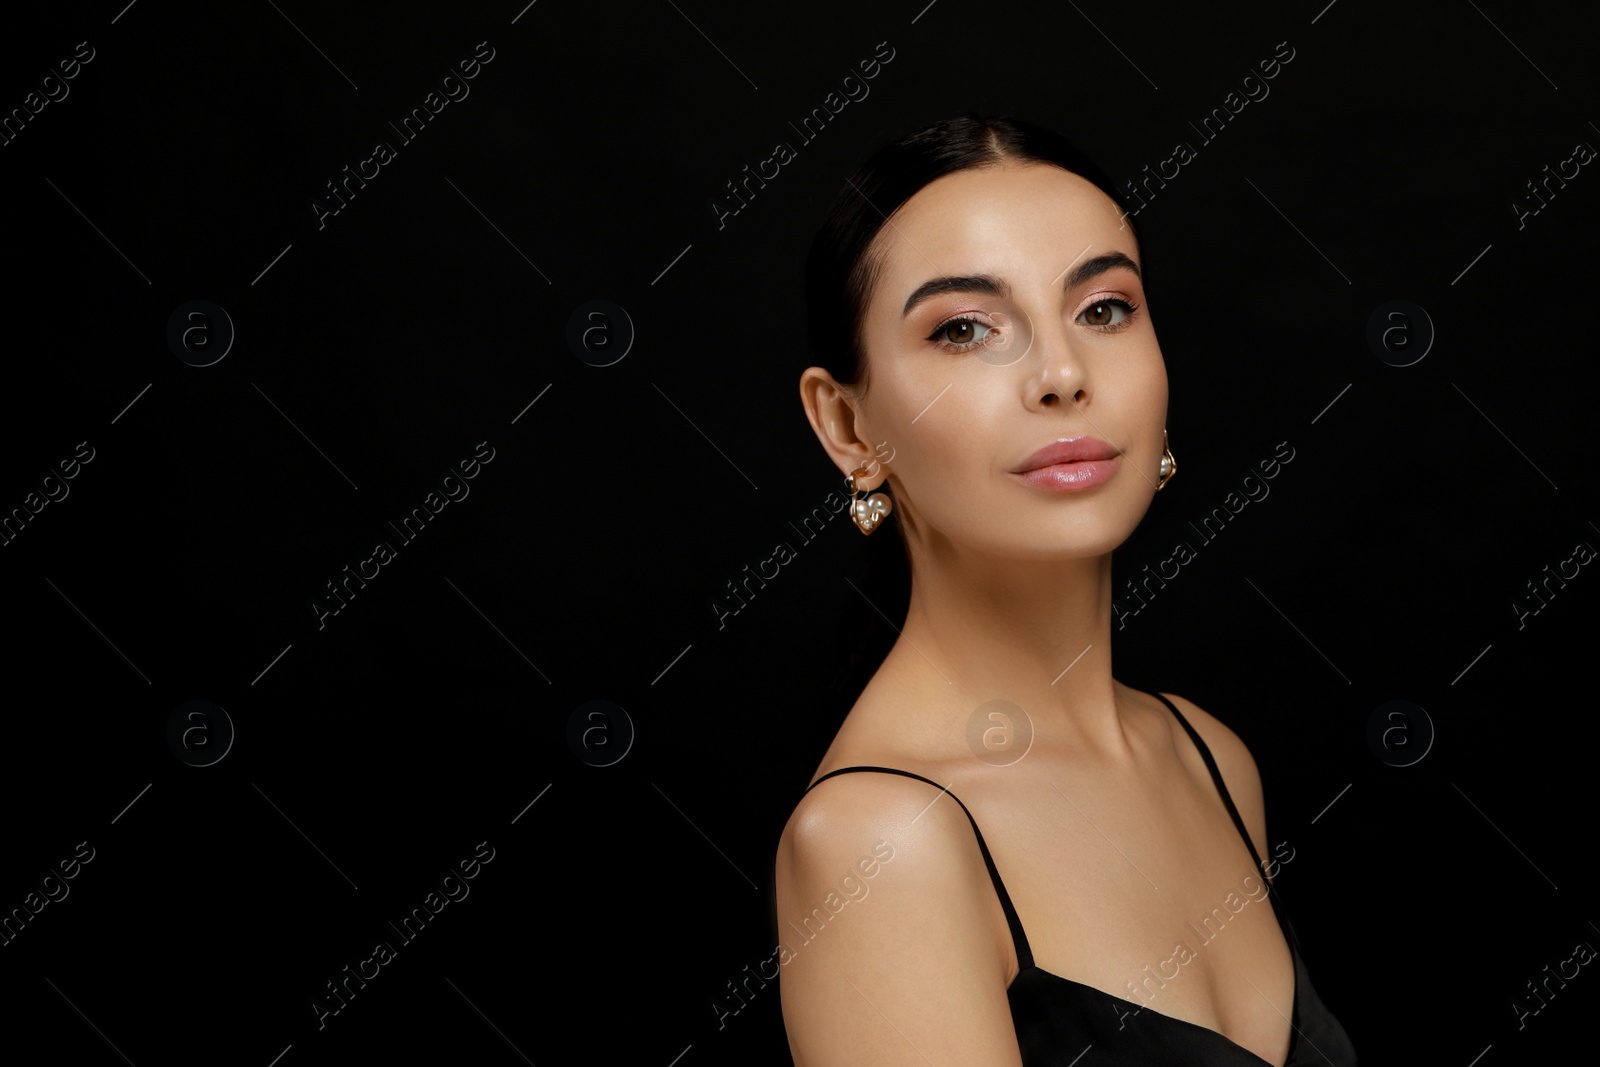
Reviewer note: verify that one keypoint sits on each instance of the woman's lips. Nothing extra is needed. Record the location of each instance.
(1070, 477)
(1068, 450)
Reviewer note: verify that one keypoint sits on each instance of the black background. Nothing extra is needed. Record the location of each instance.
(375, 351)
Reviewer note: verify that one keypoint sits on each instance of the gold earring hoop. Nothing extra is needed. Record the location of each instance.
(868, 511)
(1169, 466)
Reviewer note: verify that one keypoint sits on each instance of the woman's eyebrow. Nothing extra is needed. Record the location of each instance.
(1098, 265)
(989, 285)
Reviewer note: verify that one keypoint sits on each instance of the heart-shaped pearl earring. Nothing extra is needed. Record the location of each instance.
(868, 511)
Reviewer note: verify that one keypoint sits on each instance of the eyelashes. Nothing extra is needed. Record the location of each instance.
(1098, 309)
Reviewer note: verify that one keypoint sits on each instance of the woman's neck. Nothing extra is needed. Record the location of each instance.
(1035, 634)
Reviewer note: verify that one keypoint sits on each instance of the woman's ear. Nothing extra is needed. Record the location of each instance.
(832, 410)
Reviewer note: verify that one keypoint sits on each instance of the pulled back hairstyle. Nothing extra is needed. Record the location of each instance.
(839, 279)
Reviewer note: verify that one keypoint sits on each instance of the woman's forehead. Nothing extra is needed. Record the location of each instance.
(1008, 219)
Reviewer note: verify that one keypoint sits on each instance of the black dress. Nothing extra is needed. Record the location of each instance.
(1059, 1020)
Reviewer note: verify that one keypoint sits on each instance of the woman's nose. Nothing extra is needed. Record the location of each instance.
(1053, 369)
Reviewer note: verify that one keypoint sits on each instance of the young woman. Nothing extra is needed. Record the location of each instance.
(987, 355)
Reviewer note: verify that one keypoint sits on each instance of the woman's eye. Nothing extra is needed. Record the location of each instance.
(961, 333)
(1105, 313)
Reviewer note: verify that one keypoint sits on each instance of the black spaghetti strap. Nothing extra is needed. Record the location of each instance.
(1216, 776)
(1019, 938)
(1272, 888)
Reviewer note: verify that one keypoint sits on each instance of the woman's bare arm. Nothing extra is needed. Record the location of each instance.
(896, 951)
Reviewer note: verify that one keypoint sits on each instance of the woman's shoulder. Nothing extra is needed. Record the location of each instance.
(1234, 762)
(882, 808)
(869, 802)
(893, 863)
(1225, 745)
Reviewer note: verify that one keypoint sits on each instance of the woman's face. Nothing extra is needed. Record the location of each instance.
(1057, 346)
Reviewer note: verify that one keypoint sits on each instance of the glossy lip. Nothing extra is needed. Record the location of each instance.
(1073, 450)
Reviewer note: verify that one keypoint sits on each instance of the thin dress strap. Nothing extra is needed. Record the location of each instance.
(1216, 776)
(1018, 937)
(1272, 889)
